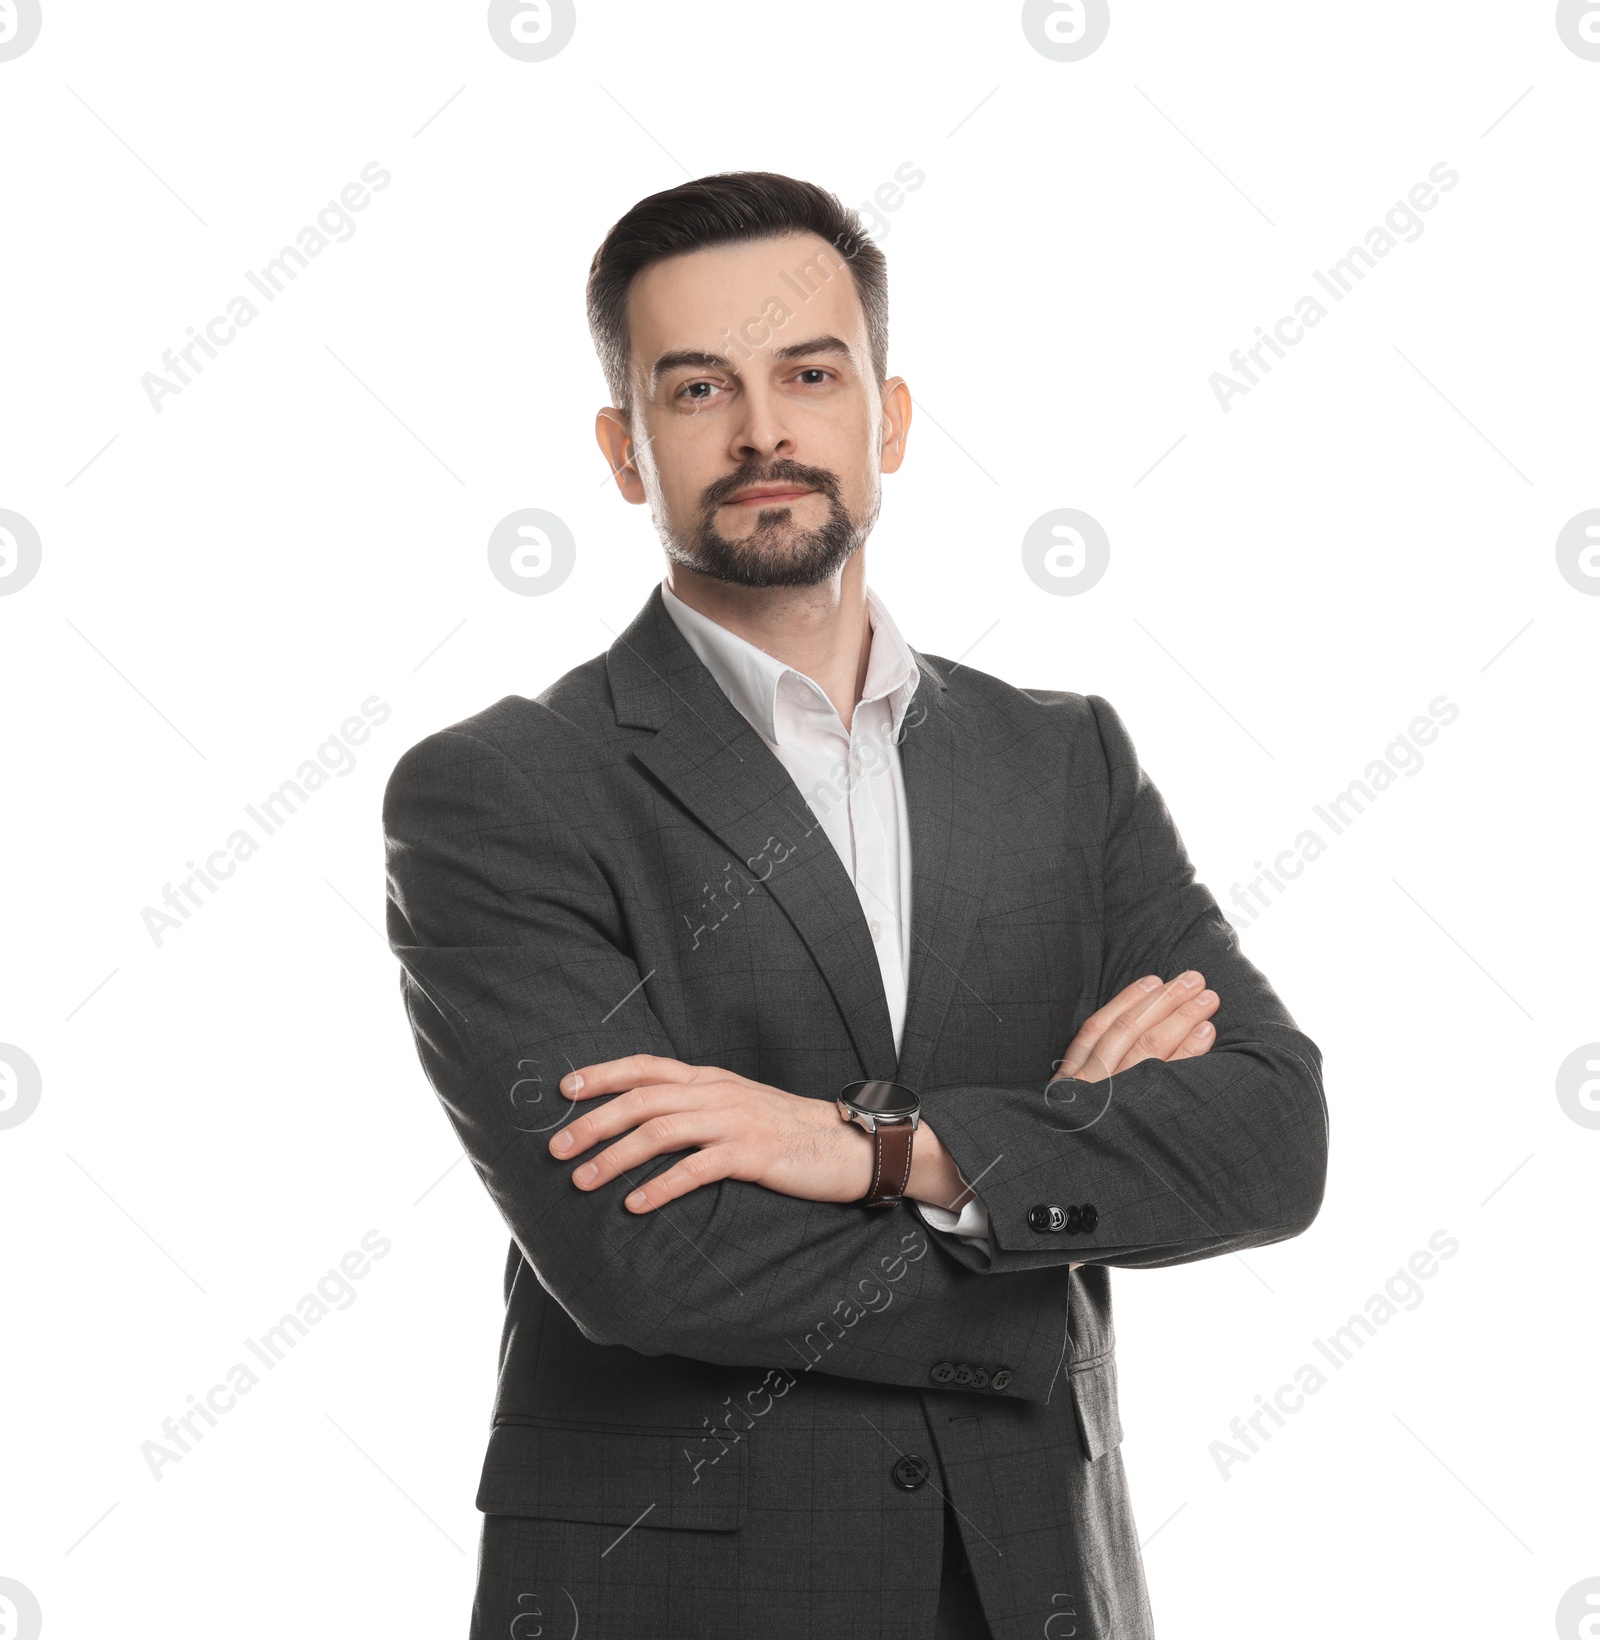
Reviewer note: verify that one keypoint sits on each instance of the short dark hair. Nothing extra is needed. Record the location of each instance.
(728, 208)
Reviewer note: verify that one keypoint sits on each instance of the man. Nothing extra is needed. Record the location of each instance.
(825, 1020)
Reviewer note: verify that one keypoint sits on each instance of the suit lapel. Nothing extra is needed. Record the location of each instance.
(947, 799)
(714, 764)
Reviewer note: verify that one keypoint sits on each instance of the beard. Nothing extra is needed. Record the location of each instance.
(775, 552)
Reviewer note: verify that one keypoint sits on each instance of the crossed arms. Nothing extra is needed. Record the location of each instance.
(499, 916)
(736, 1128)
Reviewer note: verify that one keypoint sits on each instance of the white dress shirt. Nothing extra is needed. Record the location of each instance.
(851, 779)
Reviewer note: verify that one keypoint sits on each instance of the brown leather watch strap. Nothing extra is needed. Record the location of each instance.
(891, 1144)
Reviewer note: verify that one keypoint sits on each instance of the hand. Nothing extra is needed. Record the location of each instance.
(1147, 1021)
(736, 1128)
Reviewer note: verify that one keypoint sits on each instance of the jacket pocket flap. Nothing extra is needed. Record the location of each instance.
(615, 1477)
(1094, 1394)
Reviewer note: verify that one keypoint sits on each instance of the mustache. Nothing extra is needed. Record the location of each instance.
(782, 472)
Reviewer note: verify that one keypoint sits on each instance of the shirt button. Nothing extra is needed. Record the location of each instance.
(874, 928)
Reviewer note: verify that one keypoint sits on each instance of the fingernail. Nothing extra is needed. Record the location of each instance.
(1150, 983)
(561, 1144)
(637, 1199)
(1207, 997)
(1203, 1030)
(572, 1083)
(586, 1173)
(1190, 980)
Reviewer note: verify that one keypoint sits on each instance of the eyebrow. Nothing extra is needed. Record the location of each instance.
(692, 359)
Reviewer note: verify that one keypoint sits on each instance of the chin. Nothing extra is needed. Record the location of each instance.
(774, 551)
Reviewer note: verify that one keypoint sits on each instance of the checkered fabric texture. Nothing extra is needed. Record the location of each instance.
(700, 1410)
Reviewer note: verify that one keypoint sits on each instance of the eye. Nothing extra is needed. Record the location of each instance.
(816, 370)
(687, 391)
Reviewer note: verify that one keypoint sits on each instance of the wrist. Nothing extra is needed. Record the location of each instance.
(888, 1114)
(861, 1161)
(935, 1178)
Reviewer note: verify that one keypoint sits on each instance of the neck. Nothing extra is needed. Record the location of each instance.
(823, 631)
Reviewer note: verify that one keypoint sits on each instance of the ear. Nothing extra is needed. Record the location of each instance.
(616, 445)
(896, 424)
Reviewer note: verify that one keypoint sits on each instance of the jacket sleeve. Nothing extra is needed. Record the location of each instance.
(1180, 1161)
(514, 971)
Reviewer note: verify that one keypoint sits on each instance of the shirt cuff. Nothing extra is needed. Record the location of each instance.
(971, 1224)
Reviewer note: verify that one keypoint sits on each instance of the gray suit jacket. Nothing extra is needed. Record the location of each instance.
(620, 866)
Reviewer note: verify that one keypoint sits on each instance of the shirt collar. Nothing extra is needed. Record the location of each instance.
(750, 677)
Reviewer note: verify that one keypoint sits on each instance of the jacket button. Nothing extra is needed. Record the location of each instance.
(1074, 1220)
(910, 1472)
(1046, 1217)
(963, 1374)
(980, 1378)
(943, 1373)
(1001, 1380)
(1089, 1215)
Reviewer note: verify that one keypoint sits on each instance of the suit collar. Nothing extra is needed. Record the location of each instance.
(713, 762)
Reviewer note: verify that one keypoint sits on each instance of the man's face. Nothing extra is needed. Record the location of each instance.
(741, 386)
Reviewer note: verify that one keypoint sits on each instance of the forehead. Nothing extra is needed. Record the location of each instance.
(695, 301)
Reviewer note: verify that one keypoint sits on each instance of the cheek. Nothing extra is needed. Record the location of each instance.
(859, 488)
(680, 473)
(857, 458)
(671, 484)
(681, 496)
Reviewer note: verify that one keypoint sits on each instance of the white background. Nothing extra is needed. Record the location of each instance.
(305, 525)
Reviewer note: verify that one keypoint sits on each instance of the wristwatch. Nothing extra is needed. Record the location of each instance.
(890, 1113)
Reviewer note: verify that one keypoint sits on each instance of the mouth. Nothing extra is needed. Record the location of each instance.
(768, 497)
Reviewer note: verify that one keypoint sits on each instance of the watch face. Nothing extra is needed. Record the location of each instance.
(881, 1098)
